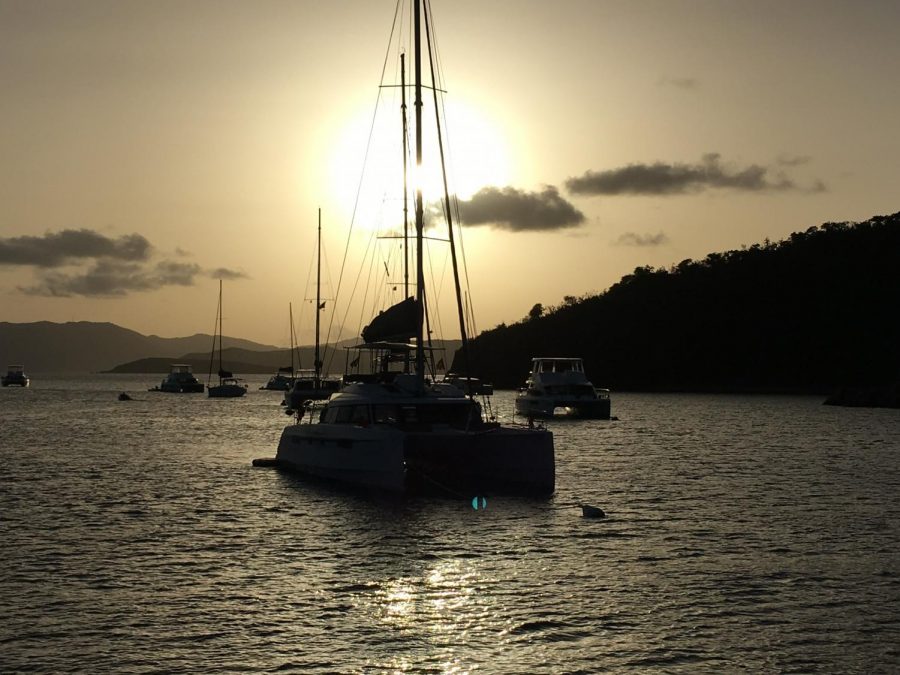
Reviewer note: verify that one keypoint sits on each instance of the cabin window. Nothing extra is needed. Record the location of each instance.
(346, 414)
(386, 414)
(359, 414)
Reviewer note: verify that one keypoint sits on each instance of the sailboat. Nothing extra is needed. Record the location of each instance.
(283, 378)
(396, 429)
(228, 386)
(310, 385)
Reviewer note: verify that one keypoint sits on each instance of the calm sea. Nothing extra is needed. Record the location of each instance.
(755, 534)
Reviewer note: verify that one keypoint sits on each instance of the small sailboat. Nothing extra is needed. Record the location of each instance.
(228, 386)
(310, 385)
(284, 377)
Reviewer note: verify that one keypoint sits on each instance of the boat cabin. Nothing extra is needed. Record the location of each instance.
(557, 365)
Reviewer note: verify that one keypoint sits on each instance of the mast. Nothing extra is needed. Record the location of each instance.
(420, 273)
(318, 362)
(405, 180)
(405, 193)
(291, 315)
(220, 329)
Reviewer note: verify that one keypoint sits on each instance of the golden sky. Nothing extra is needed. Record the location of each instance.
(148, 148)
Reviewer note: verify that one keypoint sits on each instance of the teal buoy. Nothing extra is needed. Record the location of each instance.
(479, 502)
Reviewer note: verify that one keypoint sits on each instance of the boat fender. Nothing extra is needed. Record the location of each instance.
(265, 461)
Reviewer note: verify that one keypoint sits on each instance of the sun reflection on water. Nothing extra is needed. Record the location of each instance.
(443, 604)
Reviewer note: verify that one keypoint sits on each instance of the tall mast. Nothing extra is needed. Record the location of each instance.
(420, 274)
(405, 193)
(220, 328)
(405, 181)
(318, 363)
(291, 315)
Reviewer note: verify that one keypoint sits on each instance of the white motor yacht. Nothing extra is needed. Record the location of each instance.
(561, 384)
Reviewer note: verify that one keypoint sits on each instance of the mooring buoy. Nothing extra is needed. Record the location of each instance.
(588, 511)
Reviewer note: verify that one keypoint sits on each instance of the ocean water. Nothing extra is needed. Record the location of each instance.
(743, 534)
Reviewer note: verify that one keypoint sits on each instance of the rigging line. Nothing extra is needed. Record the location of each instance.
(212, 352)
(362, 267)
(397, 13)
(438, 83)
(436, 287)
(459, 308)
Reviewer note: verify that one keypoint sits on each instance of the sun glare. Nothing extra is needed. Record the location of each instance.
(475, 153)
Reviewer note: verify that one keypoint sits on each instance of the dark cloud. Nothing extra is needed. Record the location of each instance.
(634, 239)
(227, 274)
(517, 210)
(669, 179)
(679, 82)
(56, 249)
(113, 279)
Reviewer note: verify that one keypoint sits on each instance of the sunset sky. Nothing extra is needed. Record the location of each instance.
(149, 148)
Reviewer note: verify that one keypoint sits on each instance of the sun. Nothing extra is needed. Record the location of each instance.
(365, 168)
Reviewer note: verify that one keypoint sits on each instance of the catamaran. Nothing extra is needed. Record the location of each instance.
(394, 427)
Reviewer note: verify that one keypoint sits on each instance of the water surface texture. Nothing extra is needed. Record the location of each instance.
(757, 533)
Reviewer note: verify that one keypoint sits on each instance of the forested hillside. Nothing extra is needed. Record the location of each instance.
(818, 310)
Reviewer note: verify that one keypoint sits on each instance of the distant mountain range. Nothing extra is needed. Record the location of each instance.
(84, 346)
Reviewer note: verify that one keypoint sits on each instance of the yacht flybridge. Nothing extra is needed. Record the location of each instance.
(392, 426)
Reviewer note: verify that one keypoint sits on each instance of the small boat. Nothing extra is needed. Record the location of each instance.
(283, 379)
(229, 386)
(15, 376)
(560, 383)
(310, 385)
(180, 380)
(471, 386)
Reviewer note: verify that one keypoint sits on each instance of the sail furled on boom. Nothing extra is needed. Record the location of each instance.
(397, 323)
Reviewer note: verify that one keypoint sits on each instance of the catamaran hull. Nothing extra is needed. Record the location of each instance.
(500, 460)
(546, 406)
(362, 457)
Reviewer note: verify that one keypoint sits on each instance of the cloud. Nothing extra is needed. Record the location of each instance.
(793, 160)
(634, 239)
(113, 279)
(679, 82)
(669, 179)
(227, 274)
(520, 211)
(62, 248)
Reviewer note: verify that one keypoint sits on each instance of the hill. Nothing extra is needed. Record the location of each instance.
(85, 346)
(245, 361)
(813, 312)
